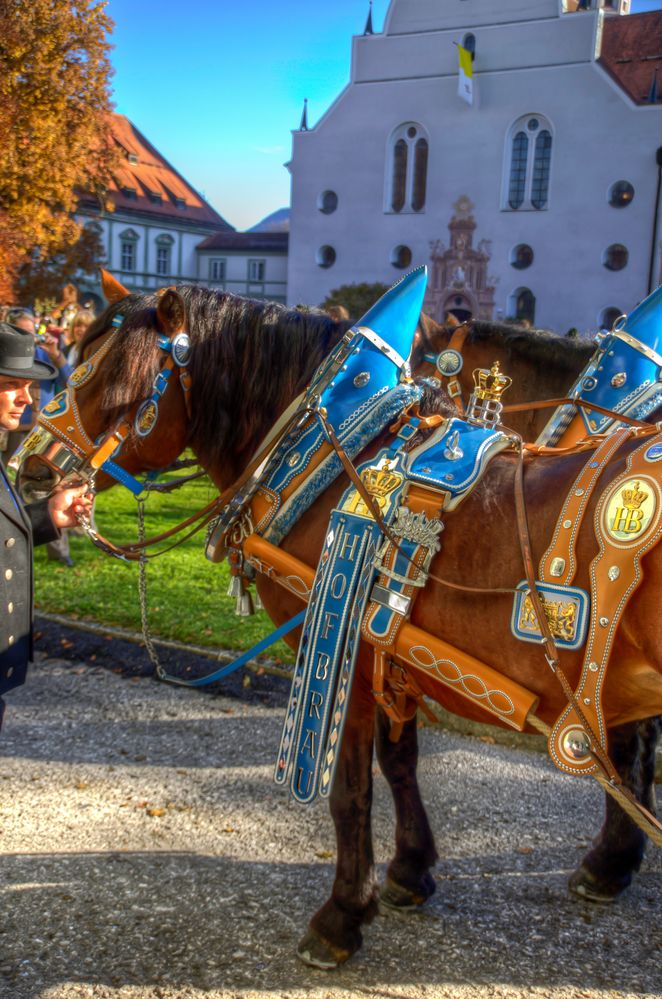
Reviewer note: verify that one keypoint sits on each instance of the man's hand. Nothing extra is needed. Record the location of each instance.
(51, 345)
(67, 503)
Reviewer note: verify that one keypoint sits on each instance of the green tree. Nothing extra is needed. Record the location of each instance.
(54, 123)
(356, 298)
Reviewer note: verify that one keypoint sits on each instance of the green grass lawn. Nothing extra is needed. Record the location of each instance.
(186, 593)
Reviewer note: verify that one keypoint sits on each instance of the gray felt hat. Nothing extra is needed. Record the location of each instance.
(17, 356)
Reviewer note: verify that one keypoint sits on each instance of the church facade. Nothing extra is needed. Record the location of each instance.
(533, 197)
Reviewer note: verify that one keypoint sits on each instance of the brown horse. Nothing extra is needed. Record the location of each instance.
(542, 364)
(248, 361)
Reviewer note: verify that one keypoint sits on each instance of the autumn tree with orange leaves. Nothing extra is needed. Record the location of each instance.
(54, 124)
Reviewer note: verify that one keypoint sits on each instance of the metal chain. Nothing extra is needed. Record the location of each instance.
(142, 592)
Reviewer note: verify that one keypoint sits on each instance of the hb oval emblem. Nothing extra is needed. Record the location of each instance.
(631, 510)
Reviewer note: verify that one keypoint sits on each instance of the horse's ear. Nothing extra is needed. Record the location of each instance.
(451, 322)
(113, 291)
(171, 312)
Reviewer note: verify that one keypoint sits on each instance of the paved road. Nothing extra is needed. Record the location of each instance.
(146, 853)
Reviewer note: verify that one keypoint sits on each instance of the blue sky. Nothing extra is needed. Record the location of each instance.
(218, 85)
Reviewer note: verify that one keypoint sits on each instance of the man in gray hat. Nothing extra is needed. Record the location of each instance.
(21, 526)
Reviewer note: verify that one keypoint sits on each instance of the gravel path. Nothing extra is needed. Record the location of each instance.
(147, 854)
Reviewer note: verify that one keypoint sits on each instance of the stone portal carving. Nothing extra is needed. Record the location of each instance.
(459, 282)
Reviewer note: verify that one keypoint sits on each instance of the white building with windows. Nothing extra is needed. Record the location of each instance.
(252, 264)
(156, 230)
(537, 199)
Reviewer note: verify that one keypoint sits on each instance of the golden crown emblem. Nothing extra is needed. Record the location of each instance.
(490, 384)
(633, 498)
(380, 481)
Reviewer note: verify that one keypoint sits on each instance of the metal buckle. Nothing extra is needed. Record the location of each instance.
(392, 601)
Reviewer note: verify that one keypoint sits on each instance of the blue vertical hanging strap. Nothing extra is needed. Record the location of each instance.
(236, 664)
(321, 686)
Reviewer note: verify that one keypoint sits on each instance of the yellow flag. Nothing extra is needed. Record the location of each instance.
(465, 83)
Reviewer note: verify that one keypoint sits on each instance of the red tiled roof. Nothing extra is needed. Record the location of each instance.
(631, 50)
(144, 175)
(261, 242)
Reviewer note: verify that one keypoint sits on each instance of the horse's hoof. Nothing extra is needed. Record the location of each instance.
(590, 888)
(395, 896)
(316, 952)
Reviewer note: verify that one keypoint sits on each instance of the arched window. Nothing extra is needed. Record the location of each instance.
(528, 164)
(522, 305)
(608, 317)
(407, 169)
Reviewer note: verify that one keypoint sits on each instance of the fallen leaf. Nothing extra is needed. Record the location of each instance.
(525, 849)
(324, 854)
(81, 785)
(156, 812)
(489, 739)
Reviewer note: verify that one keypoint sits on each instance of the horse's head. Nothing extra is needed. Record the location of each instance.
(124, 409)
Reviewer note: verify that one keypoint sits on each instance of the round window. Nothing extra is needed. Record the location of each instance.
(411, 132)
(401, 256)
(533, 124)
(521, 256)
(609, 316)
(621, 194)
(615, 257)
(326, 256)
(327, 202)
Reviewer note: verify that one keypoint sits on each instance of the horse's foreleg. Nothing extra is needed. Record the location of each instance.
(408, 879)
(619, 849)
(335, 930)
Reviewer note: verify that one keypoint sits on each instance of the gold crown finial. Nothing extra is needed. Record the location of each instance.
(380, 481)
(490, 384)
(633, 498)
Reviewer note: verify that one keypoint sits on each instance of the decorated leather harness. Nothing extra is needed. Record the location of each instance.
(384, 533)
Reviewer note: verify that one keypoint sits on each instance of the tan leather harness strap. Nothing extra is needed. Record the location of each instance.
(522, 407)
(559, 562)
(548, 642)
(452, 383)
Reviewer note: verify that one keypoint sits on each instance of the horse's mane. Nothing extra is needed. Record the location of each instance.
(249, 359)
(542, 348)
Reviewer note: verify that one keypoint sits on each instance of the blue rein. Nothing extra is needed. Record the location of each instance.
(236, 664)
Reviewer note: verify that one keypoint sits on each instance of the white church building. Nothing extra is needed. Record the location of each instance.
(537, 200)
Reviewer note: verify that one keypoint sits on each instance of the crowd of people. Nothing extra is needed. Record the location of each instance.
(57, 338)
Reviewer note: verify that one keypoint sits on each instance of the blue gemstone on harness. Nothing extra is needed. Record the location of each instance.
(654, 452)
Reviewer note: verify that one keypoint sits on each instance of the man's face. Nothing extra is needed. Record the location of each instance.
(14, 397)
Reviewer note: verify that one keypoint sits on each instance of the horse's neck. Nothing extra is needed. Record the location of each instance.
(532, 381)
